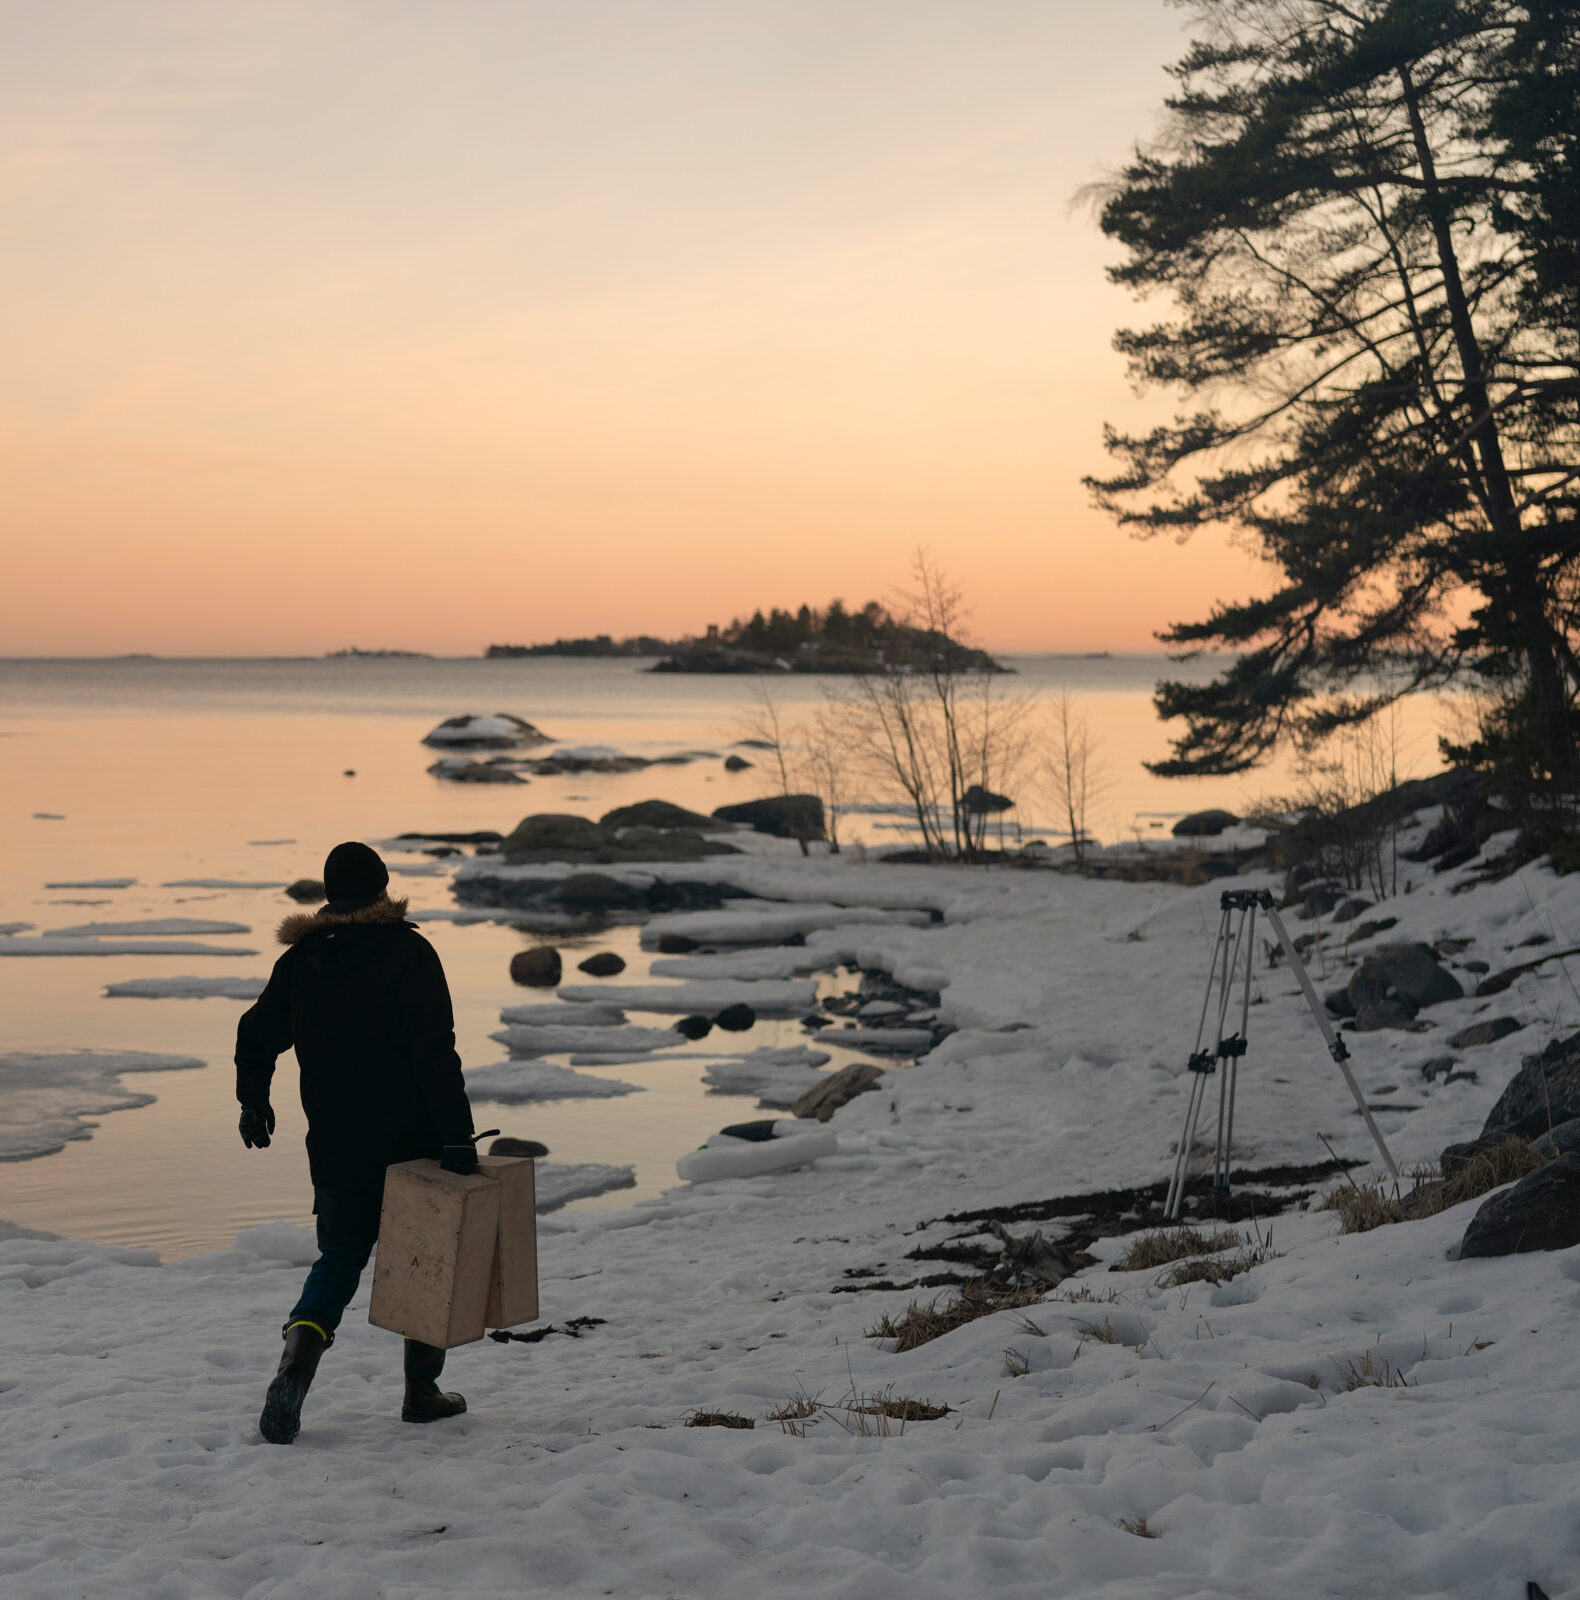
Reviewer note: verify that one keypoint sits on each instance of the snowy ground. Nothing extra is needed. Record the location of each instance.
(131, 1464)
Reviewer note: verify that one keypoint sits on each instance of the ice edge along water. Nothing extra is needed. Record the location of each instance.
(1221, 1420)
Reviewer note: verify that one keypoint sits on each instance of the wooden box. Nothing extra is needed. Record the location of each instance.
(513, 1287)
(457, 1252)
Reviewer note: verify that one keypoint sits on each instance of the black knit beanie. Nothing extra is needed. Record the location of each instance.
(354, 872)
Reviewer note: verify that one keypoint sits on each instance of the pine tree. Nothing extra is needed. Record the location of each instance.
(1344, 227)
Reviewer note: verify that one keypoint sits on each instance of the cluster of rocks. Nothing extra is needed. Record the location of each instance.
(882, 1015)
(1540, 1109)
(650, 830)
(594, 896)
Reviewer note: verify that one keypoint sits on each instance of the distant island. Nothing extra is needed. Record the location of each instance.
(826, 642)
(599, 645)
(377, 655)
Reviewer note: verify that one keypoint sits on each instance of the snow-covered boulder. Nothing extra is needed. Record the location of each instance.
(502, 731)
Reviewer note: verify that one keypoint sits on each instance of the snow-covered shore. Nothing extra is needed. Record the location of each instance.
(131, 1464)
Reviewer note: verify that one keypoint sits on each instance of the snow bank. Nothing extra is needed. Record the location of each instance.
(766, 997)
(186, 988)
(515, 1082)
(46, 1096)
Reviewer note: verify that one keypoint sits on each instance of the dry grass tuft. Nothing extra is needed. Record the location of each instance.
(952, 1309)
(870, 1415)
(897, 1408)
(1159, 1246)
(1490, 1169)
(800, 1407)
(718, 1419)
(1362, 1207)
(1103, 1332)
(1137, 1526)
(1369, 1374)
(1084, 1295)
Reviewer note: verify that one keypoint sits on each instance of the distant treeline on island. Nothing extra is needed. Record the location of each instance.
(834, 640)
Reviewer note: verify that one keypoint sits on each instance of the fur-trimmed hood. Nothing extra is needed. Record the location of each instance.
(301, 923)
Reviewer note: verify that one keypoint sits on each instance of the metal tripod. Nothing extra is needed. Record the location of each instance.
(1235, 946)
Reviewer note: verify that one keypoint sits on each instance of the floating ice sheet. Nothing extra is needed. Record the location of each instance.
(596, 1014)
(94, 883)
(186, 988)
(766, 996)
(515, 1082)
(220, 883)
(778, 961)
(556, 1185)
(52, 946)
(527, 1039)
(167, 927)
(46, 1096)
(754, 922)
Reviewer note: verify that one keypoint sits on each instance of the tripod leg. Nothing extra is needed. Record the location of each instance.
(1232, 1072)
(1171, 1207)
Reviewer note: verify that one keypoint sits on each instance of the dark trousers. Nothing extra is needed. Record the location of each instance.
(348, 1228)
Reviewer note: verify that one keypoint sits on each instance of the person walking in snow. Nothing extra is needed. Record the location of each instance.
(361, 996)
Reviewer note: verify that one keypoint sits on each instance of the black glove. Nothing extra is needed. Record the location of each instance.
(257, 1123)
(461, 1158)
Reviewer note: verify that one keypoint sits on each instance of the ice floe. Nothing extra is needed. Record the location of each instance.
(528, 1039)
(556, 1184)
(514, 1082)
(186, 988)
(46, 1096)
(554, 1014)
(759, 922)
(764, 996)
(746, 964)
(906, 1039)
(42, 945)
(8, 928)
(167, 927)
(779, 1077)
(94, 883)
(221, 883)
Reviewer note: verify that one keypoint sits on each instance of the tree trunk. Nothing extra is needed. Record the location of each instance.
(1521, 592)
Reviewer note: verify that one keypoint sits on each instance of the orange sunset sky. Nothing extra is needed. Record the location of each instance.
(431, 323)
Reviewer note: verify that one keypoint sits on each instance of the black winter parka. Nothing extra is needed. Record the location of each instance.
(362, 997)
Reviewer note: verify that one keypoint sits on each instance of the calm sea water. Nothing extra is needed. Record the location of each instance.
(161, 770)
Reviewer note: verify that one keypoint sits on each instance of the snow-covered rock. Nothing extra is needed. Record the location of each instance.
(501, 731)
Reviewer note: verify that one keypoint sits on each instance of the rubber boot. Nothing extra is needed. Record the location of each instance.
(282, 1407)
(425, 1402)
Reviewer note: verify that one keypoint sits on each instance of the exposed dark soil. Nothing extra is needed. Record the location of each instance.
(1253, 1195)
